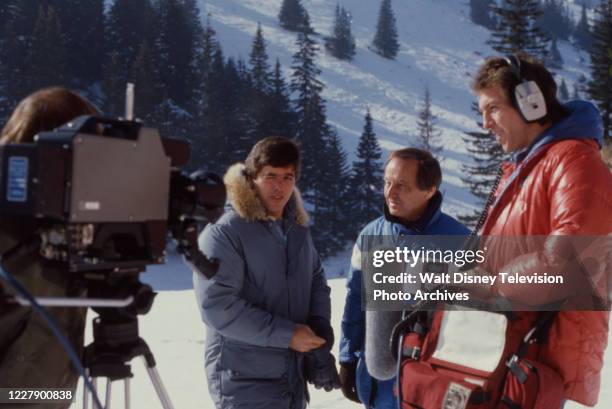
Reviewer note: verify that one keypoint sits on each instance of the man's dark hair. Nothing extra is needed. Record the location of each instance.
(275, 151)
(429, 173)
(496, 72)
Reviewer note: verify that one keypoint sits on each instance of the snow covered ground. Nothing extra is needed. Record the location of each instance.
(175, 333)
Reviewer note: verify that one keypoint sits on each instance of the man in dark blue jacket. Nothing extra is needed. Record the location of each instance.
(267, 309)
(412, 207)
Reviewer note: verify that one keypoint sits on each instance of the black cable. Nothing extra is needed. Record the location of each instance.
(489, 201)
(470, 241)
(8, 277)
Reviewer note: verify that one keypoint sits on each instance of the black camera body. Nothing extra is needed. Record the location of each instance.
(106, 192)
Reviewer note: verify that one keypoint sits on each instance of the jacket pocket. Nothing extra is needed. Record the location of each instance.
(245, 361)
(253, 376)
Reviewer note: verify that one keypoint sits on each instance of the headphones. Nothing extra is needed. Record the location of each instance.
(528, 97)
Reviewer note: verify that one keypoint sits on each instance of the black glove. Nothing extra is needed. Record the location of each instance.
(186, 237)
(322, 328)
(320, 369)
(348, 375)
(320, 364)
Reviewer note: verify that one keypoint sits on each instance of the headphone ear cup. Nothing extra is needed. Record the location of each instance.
(530, 101)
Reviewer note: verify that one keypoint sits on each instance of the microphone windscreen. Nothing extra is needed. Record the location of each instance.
(380, 360)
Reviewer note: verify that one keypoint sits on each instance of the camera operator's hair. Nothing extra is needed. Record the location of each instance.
(496, 72)
(429, 173)
(44, 110)
(275, 151)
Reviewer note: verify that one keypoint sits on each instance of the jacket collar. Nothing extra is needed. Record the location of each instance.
(431, 214)
(247, 204)
(582, 122)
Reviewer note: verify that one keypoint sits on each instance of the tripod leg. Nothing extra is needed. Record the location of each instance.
(95, 385)
(85, 394)
(157, 382)
(107, 401)
(126, 392)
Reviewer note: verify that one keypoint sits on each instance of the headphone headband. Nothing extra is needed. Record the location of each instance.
(515, 64)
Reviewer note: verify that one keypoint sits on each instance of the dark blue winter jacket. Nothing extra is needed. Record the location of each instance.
(374, 393)
(270, 279)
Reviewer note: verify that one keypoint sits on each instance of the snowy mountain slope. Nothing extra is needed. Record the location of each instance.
(440, 48)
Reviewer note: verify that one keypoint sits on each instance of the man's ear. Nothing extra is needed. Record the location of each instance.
(431, 192)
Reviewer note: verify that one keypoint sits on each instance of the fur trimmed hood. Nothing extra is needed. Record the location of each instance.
(246, 203)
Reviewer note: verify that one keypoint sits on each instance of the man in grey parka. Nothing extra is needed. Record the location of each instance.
(267, 309)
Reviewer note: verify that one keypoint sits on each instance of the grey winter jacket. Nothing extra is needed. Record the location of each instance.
(267, 282)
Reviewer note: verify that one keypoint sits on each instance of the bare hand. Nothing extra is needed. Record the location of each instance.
(304, 340)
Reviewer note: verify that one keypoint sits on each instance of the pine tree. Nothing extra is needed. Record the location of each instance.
(366, 178)
(3, 62)
(7, 41)
(203, 65)
(480, 13)
(282, 120)
(342, 43)
(113, 84)
(576, 93)
(581, 84)
(258, 92)
(83, 24)
(582, 32)
(563, 93)
(480, 175)
(204, 98)
(294, 17)
(243, 71)
(148, 91)
(130, 23)
(554, 20)
(177, 43)
(258, 59)
(211, 117)
(554, 59)
(385, 41)
(517, 28)
(46, 60)
(428, 134)
(223, 138)
(333, 226)
(191, 10)
(5, 8)
(235, 139)
(311, 126)
(16, 33)
(599, 87)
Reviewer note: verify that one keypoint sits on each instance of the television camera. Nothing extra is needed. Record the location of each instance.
(107, 194)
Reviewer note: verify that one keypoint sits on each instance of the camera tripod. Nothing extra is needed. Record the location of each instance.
(116, 338)
(118, 297)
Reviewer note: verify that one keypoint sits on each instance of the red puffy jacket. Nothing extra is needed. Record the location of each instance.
(564, 188)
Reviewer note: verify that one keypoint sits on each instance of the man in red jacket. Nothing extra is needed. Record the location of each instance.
(555, 184)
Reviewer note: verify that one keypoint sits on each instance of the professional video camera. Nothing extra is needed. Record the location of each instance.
(108, 191)
(107, 194)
